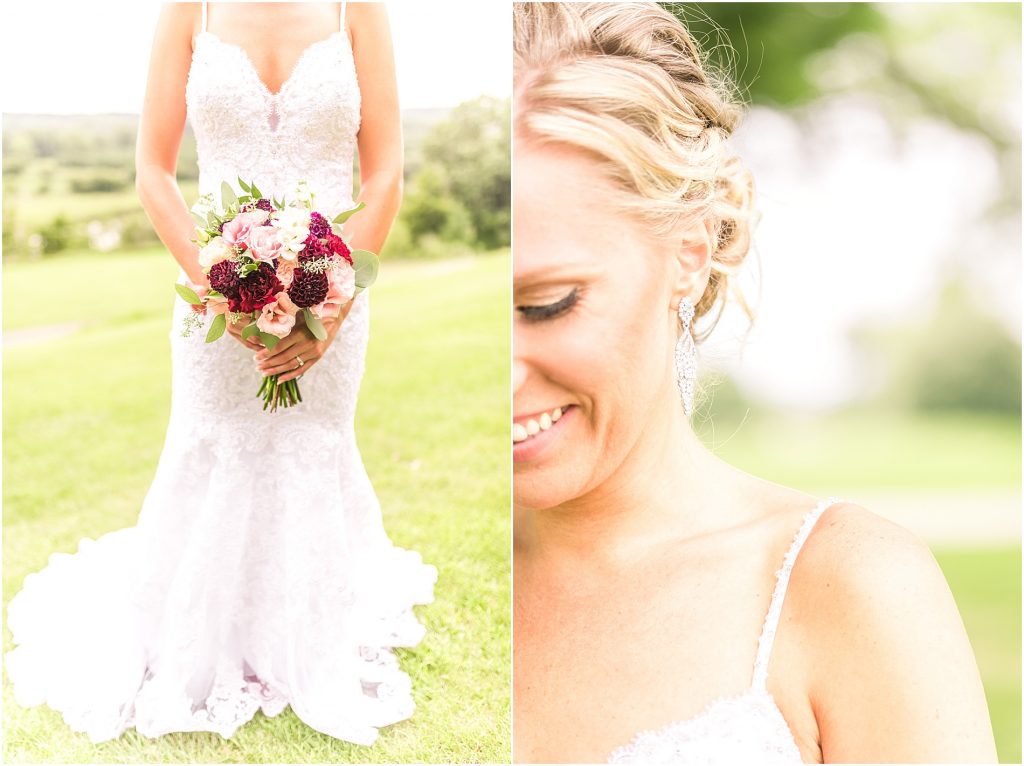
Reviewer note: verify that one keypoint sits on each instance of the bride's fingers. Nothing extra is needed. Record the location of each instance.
(281, 349)
(314, 356)
(288, 361)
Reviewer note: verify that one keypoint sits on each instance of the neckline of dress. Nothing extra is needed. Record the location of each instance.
(252, 67)
(757, 687)
(753, 692)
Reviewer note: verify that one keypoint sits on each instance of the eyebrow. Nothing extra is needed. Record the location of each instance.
(552, 274)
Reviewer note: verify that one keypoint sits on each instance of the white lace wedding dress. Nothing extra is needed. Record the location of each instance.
(259, 573)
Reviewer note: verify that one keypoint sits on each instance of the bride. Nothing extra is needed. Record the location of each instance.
(259, 574)
(670, 608)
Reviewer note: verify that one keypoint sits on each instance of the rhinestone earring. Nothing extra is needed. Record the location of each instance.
(686, 356)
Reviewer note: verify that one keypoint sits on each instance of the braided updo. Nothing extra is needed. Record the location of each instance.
(625, 82)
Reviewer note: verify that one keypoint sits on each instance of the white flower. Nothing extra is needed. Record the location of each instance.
(215, 251)
(204, 205)
(293, 229)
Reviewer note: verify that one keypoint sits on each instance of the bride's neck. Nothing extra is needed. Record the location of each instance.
(660, 491)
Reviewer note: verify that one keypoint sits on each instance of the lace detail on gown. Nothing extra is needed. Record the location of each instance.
(744, 728)
(259, 574)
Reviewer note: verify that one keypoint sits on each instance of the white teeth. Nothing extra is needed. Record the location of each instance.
(523, 431)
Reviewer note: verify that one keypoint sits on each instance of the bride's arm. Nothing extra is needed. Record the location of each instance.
(161, 126)
(897, 680)
(380, 129)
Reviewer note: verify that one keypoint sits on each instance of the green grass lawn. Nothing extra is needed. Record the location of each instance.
(84, 421)
(874, 449)
(986, 585)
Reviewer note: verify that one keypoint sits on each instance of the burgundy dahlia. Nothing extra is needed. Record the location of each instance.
(264, 204)
(224, 278)
(318, 225)
(308, 288)
(337, 245)
(259, 288)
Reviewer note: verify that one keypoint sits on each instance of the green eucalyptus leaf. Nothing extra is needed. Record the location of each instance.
(314, 324)
(255, 192)
(268, 340)
(188, 294)
(217, 327)
(249, 330)
(345, 215)
(244, 186)
(227, 194)
(201, 220)
(366, 265)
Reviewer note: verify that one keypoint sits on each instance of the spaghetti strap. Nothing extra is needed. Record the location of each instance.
(771, 620)
(204, 15)
(342, 28)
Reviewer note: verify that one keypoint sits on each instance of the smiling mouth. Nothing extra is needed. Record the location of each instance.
(525, 430)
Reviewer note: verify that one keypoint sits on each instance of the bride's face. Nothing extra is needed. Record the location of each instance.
(593, 328)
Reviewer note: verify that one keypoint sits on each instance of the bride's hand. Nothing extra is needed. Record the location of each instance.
(300, 343)
(252, 342)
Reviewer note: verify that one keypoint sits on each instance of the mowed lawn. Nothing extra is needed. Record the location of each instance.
(84, 422)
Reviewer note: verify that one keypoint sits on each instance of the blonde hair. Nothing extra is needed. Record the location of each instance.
(625, 83)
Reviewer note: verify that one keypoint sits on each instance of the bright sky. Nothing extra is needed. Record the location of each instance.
(84, 57)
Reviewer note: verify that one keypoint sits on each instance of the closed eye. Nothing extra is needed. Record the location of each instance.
(549, 310)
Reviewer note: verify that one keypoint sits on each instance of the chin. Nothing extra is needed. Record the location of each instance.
(537, 489)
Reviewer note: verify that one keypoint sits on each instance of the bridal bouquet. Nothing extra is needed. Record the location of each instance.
(267, 261)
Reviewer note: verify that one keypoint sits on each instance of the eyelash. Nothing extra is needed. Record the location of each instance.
(550, 310)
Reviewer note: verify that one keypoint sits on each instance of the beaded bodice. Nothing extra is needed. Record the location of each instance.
(305, 131)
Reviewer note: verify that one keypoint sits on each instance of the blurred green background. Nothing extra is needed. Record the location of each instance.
(86, 398)
(884, 361)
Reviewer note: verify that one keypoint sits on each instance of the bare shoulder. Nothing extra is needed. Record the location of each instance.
(862, 553)
(178, 24)
(366, 18)
(891, 656)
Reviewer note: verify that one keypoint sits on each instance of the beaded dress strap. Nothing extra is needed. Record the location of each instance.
(204, 15)
(771, 620)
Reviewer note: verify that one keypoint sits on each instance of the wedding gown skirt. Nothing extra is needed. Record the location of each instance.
(259, 574)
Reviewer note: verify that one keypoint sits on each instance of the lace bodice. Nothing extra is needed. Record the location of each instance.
(305, 131)
(745, 728)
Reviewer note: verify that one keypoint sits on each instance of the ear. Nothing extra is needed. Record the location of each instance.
(692, 267)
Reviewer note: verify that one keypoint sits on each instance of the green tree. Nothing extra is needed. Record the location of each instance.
(430, 208)
(959, 358)
(473, 146)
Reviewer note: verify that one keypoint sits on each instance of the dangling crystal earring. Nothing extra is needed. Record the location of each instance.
(686, 356)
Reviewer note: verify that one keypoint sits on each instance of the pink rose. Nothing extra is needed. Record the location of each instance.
(237, 230)
(264, 244)
(285, 271)
(278, 317)
(341, 288)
